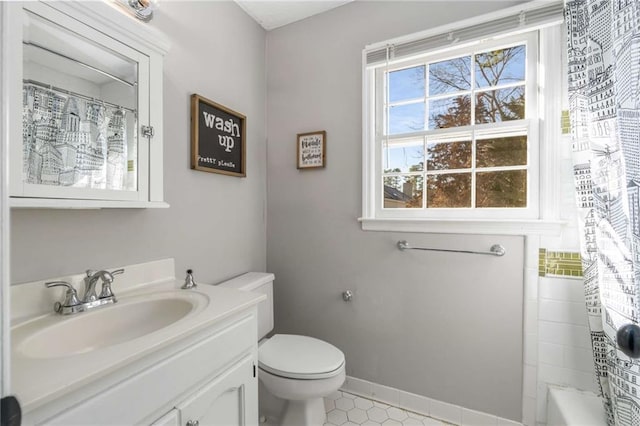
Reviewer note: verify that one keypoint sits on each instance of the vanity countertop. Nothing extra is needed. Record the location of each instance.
(37, 380)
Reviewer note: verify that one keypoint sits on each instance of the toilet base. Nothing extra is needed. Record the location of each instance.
(304, 399)
(309, 412)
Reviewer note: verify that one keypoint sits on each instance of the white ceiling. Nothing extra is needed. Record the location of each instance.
(273, 14)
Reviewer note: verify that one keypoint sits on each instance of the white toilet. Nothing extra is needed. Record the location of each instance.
(299, 369)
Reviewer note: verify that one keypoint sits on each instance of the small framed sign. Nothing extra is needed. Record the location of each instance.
(217, 138)
(311, 149)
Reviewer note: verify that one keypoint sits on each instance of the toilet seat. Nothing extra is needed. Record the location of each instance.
(300, 357)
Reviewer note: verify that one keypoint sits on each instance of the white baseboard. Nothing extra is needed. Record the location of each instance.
(422, 405)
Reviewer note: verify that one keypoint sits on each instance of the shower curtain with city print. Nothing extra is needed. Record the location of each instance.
(604, 83)
(72, 141)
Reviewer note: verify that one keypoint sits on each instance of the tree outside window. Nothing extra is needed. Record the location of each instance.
(483, 166)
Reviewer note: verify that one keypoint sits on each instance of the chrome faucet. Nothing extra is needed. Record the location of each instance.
(91, 280)
(72, 305)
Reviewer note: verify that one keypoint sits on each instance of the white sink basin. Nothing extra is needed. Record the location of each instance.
(56, 336)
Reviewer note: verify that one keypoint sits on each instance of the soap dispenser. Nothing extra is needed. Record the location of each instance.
(189, 282)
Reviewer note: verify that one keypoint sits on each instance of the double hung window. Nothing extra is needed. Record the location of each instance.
(454, 132)
(452, 124)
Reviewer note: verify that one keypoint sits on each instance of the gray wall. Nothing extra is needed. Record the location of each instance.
(216, 223)
(441, 325)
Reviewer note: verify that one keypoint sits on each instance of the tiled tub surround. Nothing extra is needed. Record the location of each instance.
(564, 355)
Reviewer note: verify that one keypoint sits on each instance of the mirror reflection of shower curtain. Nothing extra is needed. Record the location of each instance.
(604, 97)
(69, 141)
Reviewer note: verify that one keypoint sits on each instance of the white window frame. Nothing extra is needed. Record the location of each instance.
(542, 121)
(529, 124)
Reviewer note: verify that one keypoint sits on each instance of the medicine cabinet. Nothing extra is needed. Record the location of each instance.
(85, 100)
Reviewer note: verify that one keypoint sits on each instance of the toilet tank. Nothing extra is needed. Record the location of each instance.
(259, 282)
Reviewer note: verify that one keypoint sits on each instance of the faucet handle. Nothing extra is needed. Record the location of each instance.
(116, 272)
(50, 284)
(71, 295)
(107, 279)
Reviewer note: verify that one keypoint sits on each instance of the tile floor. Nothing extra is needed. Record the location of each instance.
(345, 409)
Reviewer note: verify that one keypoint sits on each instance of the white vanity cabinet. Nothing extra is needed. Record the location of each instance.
(228, 400)
(84, 94)
(172, 418)
(231, 399)
(208, 378)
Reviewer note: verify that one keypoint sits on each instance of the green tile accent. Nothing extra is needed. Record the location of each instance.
(559, 264)
(565, 121)
(542, 262)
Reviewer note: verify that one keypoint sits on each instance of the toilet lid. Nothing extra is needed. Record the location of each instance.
(300, 357)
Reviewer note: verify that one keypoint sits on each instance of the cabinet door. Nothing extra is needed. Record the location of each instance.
(230, 399)
(172, 418)
(85, 98)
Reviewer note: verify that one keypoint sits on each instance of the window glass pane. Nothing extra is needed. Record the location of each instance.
(500, 66)
(405, 157)
(406, 84)
(496, 152)
(500, 105)
(453, 75)
(403, 192)
(449, 190)
(501, 189)
(80, 125)
(406, 118)
(449, 155)
(450, 112)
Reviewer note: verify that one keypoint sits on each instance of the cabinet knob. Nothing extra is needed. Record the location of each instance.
(148, 132)
(193, 423)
